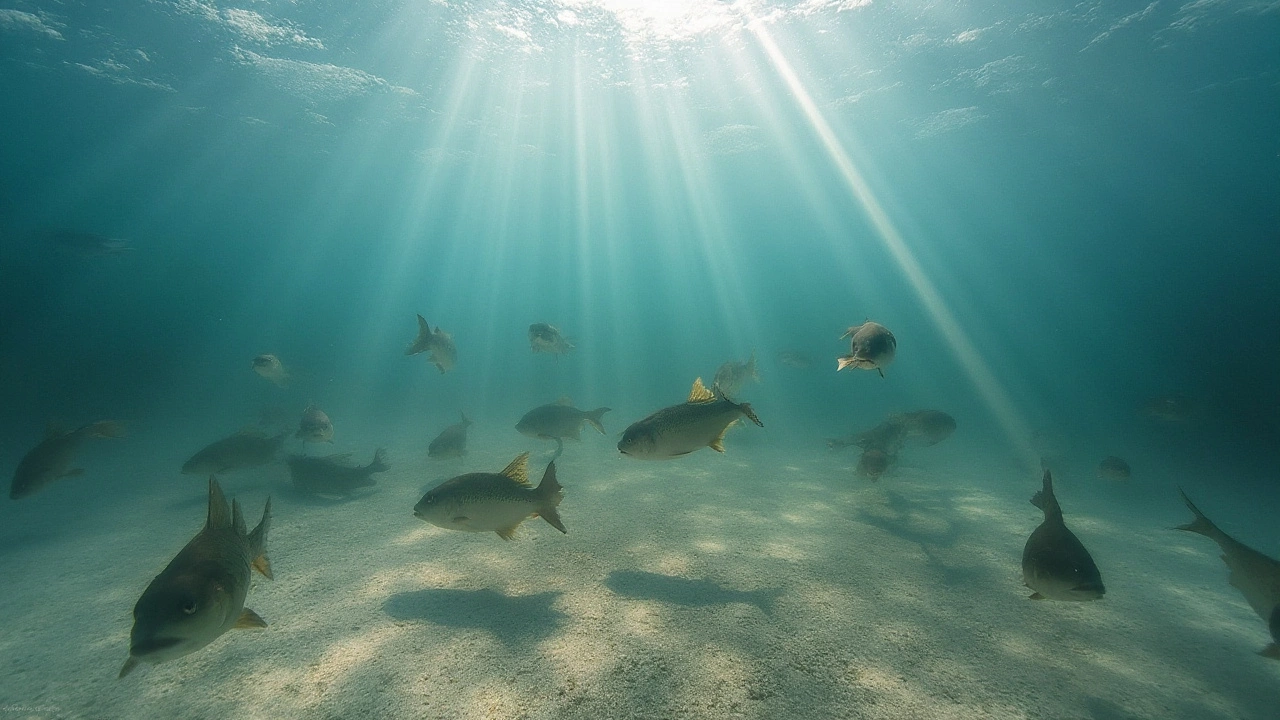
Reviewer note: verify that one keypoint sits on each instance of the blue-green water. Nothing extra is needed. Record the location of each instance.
(1061, 211)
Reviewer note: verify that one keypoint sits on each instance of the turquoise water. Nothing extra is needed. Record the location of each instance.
(1062, 211)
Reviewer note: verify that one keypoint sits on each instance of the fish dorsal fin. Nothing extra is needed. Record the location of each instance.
(423, 327)
(219, 513)
(518, 469)
(237, 519)
(565, 401)
(699, 393)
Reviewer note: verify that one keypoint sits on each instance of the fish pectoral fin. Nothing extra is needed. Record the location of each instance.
(1271, 651)
(717, 444)
(133, 662)
(250, 620)
(460, 518)
(262, 564)
(1037, 596)
(507, 533)
(73, 472)
(880, 371)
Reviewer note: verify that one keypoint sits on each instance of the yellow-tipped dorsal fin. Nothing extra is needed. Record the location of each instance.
(564, 400)
(699, 393)
(518, 470)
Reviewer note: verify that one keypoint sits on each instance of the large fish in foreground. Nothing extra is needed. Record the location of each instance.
(438, 345)
(1255, 575)
(701, 421)
(51, 458)
(493, 502)
(200, 594)
(1055, 564)
(334, 474)
(247, 448)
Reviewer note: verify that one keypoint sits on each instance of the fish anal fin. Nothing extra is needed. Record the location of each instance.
(249, 620)
(699, 393)
(717, 444)
(1036, 596)
(507, 533)
(518, 469)
(1271, 651)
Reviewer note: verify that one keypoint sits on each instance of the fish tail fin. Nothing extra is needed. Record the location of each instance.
(379, 463)
(1201, 525)
(845, 361)
(107, 429)
(258, 543)
(422, 340)
(1045, 499)
(751, 414)
(596, 418)
(550, 493)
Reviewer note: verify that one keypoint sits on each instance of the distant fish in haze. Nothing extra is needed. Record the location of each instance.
(701, 421)
(929, 426)
(560, 420)
(871, 347)
(451, 442)
(84, 244)
(334, 475)
(1255, 575)
(1113, 468)
(51, 458)
(1169, 408)
(886, 437)
(270, 367)
(732, 376)
(315, 426)
(493, 502)
(1055, 564)
(873, 463)
(544, 338)
(794, 359)
(437, 344)
(200, 594)
(245, 449)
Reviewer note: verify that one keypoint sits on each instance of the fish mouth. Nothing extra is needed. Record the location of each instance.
(152, 645)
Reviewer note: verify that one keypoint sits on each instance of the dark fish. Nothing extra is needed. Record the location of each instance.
(1113, 468)
(51, 458)
(437, 343)
(493, 502)
(873, 463)
(701, 421)
(451, 442)
(245, 449)
(1255, 575)
(929, 426)
(560, 420)
(315, 426)
(544, 338)
(871, 347)
(1055, 564)
(733, 375)
(333, 475)
(200, 594)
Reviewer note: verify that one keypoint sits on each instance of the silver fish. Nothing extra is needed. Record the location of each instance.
(733, 375)
(315, 426)
(245, 449)
(493, 502)
(544, 338)
(560, 420)
(701, 421)
(437, 343)
(270, 367)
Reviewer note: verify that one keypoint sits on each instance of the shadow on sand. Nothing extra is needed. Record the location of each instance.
(682, 591)
(514, 620)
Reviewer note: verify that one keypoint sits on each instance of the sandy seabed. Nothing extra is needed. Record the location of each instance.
(769, 582)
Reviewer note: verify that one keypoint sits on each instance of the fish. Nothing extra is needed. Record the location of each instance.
(701, 421)
(1255, 575)
(871, 347)
(270, 367)
(1055, 564)
(451, 442)
(544, 338)
(560, 420)
(315, 426)
(794, 359)
(245, 449)
(200, 594)
(51, 458)
(493, 502)
(85, 244)
(887, 437)
(437, 344)
(733, 375)
(930, 427)
(1113, 468)
(873, 463)
(333, 475)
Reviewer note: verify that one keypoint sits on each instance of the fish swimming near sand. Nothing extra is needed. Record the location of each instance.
(544, 338)
(1255, 575)
(270, 367)
(733, 375)
(871, 347)
(335, 475)
(701, 421)
(315, 426)
(1113, 468)
(451, 442)
(51, 458)
(245, 449)
(493, 502)
(200, 594)
(438, 345)
(560, 420)
(1055, 564)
